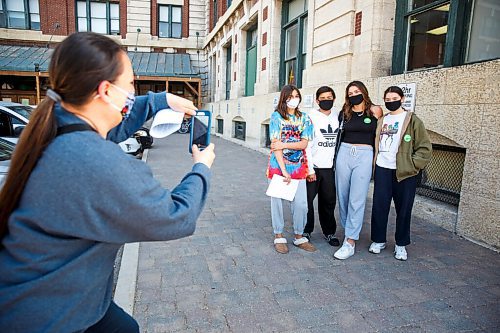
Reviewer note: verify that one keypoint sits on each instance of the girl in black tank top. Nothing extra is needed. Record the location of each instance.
(354, 158)
(360, 129)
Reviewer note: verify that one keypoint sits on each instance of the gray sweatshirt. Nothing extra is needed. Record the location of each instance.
(84, 199)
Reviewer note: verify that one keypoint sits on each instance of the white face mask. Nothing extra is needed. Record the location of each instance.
(293, 103)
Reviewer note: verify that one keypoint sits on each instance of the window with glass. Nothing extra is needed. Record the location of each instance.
(228, 71)
(169, 21)
(251, 61)
(20, 14)
(444, 33)
(215, 14)
(483, 42)
(98, 16)
(294, 42)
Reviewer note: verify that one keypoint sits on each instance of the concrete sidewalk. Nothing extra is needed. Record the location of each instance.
(228, 278)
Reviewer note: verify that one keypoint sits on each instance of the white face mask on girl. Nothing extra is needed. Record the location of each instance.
(129, 102)
(293, 103)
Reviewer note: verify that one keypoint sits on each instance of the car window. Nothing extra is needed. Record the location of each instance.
(6, 151)
(5, 125)
(24, 111)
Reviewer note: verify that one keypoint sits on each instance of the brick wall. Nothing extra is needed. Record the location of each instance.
(185, 19)
(123, 18)
(63, 13)
(154, 18)
(59, 12)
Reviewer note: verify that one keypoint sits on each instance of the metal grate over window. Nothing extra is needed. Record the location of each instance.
(240, 130)
(442, 178)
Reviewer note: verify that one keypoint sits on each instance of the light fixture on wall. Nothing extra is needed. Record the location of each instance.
(438, 31)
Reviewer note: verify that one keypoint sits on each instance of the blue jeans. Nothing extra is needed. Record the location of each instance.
(298, 207)
(115, 320)
(352, 175)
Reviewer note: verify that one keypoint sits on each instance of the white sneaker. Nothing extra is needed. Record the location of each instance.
(400, 253)
(346, 251)
(376, 247)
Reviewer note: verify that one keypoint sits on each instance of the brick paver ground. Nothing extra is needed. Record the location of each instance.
(228, 278)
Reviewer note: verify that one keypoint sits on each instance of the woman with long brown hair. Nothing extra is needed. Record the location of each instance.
(354, 159)
(72, 198)
(290, 130)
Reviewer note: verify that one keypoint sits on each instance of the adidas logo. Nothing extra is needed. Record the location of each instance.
(329, 134)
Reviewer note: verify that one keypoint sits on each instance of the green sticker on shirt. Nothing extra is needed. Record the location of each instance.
(407, 138)
(367, 120)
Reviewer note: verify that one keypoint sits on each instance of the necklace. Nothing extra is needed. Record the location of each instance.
(359, 114)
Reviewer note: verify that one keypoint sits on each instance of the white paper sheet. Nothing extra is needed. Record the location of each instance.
(279, 189)
(166, 122)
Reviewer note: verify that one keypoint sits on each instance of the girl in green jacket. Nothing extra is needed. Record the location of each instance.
(402, 149)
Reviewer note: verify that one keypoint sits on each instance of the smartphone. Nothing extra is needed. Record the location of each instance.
(200, 130)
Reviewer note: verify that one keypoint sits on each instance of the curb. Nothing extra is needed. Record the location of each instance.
(127, 277)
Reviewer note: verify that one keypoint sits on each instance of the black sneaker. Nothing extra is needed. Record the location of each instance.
(332, 240)
(307, 235)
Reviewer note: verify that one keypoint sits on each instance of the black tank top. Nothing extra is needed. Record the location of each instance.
(360, 130)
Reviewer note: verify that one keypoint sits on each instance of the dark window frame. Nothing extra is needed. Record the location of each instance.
(170, 22)
(251, 43)
(88, 16)
(456, 44)
(300, 56)
(215, 17)
(220, 126)
(236, 134)
(28, 24)
(229, 51)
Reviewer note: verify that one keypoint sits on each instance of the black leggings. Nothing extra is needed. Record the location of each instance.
(115, 320)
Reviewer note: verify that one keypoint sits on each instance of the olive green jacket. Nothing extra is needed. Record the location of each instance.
(415, 148)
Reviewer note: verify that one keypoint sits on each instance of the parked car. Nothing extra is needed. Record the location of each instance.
(13, 119)
(15, 116)
(6, 150)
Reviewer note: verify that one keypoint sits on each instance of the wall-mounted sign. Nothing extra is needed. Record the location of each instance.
(410, 91)
(275, 101)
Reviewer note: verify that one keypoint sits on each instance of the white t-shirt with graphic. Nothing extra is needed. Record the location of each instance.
(390, 137)
(321, 150)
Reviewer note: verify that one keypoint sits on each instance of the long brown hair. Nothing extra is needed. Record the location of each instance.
(347, 108)
(78, 65)
(286, 92)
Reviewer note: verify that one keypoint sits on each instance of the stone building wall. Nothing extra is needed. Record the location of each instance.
(457, 104)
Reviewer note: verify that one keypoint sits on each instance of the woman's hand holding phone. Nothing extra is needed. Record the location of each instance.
(181, 104)
(206, 156)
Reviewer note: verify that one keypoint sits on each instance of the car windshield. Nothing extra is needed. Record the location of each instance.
(6, 150)
(24, 111)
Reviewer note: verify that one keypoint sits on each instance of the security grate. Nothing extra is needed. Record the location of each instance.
(240, 130)
(267, 142)
(442, 178)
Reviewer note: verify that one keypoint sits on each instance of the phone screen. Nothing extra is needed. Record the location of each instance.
(200, 129)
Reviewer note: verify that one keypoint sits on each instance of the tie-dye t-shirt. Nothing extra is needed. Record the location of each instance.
(292, 130)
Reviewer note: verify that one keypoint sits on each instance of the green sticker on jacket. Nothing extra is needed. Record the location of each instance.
(367, 120)
(407, 138)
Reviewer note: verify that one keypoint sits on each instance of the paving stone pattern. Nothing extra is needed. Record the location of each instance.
(228, 278)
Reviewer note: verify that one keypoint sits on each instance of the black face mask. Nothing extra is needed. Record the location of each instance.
(393, 106)
(326, 104)
(356, 99)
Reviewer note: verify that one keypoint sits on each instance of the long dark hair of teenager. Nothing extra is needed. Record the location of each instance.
(286, 92)
(78, 65)
(347, 108)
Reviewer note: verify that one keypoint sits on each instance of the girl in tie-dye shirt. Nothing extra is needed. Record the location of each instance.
(289, 131)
